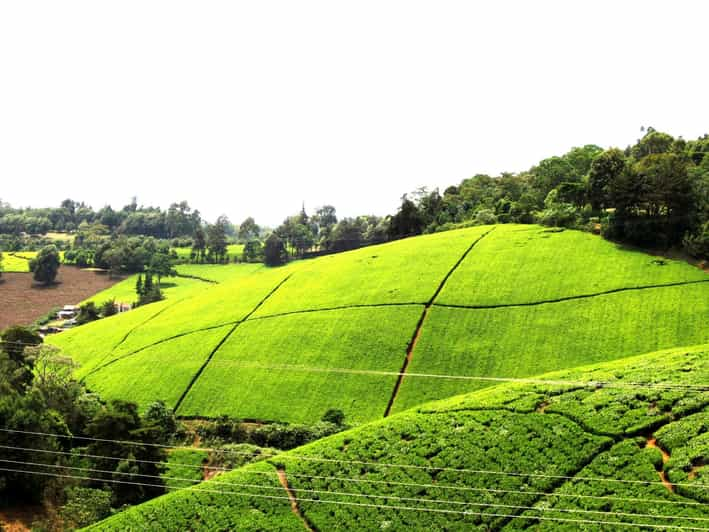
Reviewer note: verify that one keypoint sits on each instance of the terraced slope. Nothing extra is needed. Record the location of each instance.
(487, 301)
(619, 445)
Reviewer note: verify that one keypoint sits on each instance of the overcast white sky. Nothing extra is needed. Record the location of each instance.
(248, 108)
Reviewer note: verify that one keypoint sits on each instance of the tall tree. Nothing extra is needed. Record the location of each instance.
(274, 251)
(605, 169)
(46, 265)
(199, 244)
(216, 239)
(248, 230)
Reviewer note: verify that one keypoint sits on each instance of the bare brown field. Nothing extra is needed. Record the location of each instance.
(22, 301)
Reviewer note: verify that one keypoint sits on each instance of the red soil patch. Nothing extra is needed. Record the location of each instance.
(283, 479)
(22, 301)
(652, 443)
(19, 519)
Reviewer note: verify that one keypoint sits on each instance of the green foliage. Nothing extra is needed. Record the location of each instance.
(233, 383)
(334, 416)
(87, 312)
(85, 506)
(178, 360)
(524, 264)
(159, 415)
(184, 468)
(108, 308)
(530, 451)
(253, 251)
(15, 339)
(46, 265)
(526, 340)
(359, 310)
(274, 251)
(697, 244)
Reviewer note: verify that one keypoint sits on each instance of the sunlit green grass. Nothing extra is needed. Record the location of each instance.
(161, 372)
(233, 383)
(522, 264)
(405, 271)
(523, 341)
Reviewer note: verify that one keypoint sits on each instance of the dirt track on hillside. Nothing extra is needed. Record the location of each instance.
(22, 301)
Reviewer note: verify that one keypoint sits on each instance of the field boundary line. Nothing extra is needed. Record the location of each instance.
(332, 309)
(204, 279)
(131, 331)
(572, 298)
(153, 344)
(204, 365)
(419, 325)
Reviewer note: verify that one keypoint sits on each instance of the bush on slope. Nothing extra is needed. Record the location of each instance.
(492, 459)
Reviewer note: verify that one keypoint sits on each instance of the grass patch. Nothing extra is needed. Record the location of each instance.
(336, 339)
(511, 266)
(523, 341)
(162, 371)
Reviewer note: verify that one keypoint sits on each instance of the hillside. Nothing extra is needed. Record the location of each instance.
(488, 301)
(618, 445)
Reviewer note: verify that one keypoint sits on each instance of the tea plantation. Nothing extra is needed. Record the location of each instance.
(288, 343)
(617, 445)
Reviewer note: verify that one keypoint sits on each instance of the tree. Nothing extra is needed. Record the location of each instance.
(15, 339)
(119, 420)
(274, 251)
(199, 244)
(248, 230)
(113, 258)
(408, 221)
(346, 235)
(253, 251)
(139, 287)
(87, 312)
(0, 263)
(216, 239)
(46, 265)
(160, 416)
(667, 193)
(605, 169)
(161, 266)
(335, 416)
(108, 308)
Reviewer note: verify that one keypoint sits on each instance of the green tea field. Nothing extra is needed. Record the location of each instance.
(357, 330)
(614, 446)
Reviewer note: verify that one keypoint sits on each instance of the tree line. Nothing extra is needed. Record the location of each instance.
(654, 193)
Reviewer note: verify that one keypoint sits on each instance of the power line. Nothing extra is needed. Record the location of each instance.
(363, 481)
(200, 488)
(520, 380)
(366, 495)
(288, 455)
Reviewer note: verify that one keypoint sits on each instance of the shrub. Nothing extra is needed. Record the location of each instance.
(108, 308)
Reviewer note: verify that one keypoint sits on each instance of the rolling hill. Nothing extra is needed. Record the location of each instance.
(614, 446)
(334, 332)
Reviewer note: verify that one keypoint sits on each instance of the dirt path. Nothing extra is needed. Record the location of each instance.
(652, 444)
(407, 360)
(419, 326)
(283, 479)
(223, 341)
